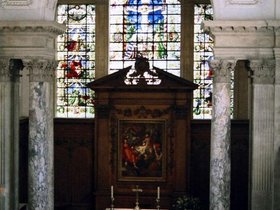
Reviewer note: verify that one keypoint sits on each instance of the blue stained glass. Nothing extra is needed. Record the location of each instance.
(144, 27)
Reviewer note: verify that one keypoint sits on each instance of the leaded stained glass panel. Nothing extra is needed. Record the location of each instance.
(203, 53)
(203, 74)
(150, 28)
(76, 57)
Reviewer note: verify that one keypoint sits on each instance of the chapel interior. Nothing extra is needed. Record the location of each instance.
(222, 155)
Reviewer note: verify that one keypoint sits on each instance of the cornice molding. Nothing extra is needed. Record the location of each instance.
(16, 3)
(237, 26)
(240, 53)
(32, 26)
(275, 24)
(242, 2)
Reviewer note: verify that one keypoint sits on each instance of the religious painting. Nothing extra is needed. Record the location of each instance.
(141, 152)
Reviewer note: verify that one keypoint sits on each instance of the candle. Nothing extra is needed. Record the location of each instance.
(112, 191)
(158, 192)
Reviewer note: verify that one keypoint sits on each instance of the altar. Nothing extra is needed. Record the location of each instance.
(130, 209)
(142, 133)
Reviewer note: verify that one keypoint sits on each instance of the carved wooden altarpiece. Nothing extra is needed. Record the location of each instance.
(142, 135)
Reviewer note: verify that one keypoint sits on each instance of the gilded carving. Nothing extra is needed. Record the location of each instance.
(142, 112)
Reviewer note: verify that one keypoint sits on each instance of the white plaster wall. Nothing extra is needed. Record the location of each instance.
(277, 7)
(246, 9)
(27, 9)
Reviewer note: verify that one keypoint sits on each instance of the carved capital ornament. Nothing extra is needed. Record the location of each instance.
(222, 70)
(40, 69)
(263, 71)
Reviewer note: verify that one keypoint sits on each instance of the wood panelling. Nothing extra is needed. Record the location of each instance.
(74, 171)
(23, 160)
(200, 162)
(73, 164)
(152, 149)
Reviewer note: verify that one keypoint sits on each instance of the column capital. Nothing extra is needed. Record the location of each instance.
(15, 65)
(263, 71)
(40, 69)
(5, 74)
(9, 69)
(222, 70)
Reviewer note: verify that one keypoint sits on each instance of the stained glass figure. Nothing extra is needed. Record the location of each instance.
(149, 28)
(203, 53)
(76, 57)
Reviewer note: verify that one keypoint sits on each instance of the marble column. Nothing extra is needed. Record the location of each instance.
(9, 132)
(40, 153)
(262, 134)
(220, 163)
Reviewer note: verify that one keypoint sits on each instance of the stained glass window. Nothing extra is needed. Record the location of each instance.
(203, 53)
(203, 74)
(76, 57)
(150, 28)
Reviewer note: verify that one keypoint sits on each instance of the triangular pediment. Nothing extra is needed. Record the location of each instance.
(142, 77)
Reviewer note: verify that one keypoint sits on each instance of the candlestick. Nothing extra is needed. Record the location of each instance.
(112, 197)
(112, 191)
(158, 198)
(137, 190)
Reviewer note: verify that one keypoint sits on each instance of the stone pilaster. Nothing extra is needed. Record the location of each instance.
(276, 181)
(220, 136)
(262, 134)
(40, 154)
(9, 132)
(101, 46)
